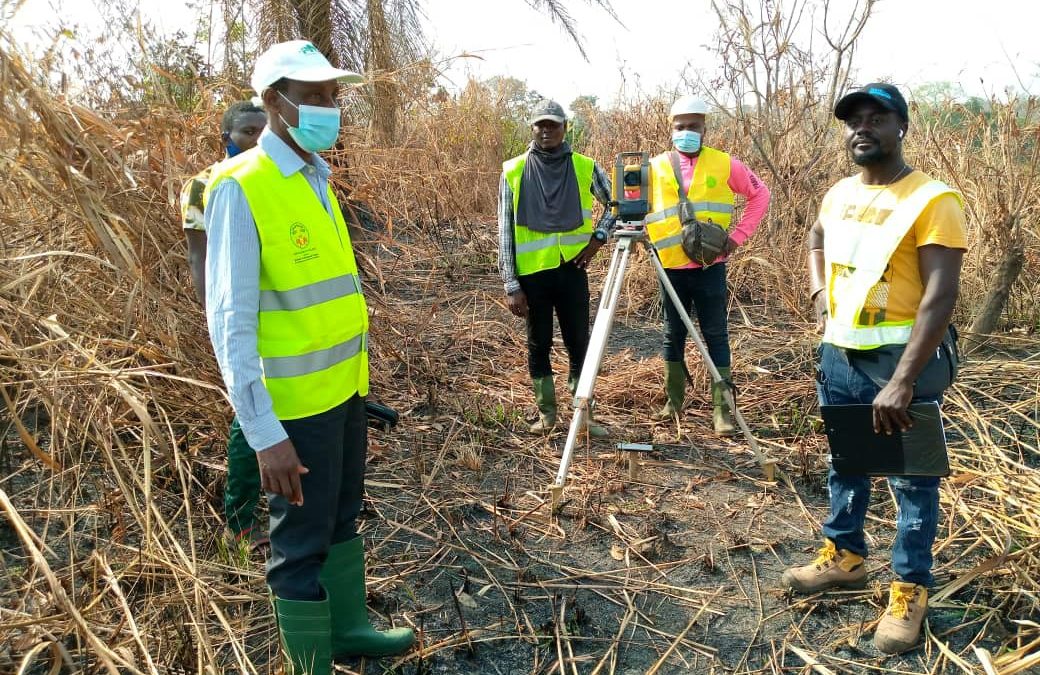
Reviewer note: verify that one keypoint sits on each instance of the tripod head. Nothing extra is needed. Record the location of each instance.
(631, 186)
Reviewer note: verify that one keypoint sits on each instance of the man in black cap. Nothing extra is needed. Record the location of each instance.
(884, 266)
(546, 241)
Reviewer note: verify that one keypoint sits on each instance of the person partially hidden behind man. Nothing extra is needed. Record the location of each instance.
(884, 263)
(707, 180)
(240, 128)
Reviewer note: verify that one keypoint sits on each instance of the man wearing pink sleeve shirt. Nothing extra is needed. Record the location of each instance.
(710, 180)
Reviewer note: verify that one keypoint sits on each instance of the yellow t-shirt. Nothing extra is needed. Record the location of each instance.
(897, 295)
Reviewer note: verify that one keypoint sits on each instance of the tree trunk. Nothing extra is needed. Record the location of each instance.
(1000, 290)
(315, 17)
(383, 92)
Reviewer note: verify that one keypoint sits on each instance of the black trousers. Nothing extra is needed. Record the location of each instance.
(564, 290)
(332, 445)
(703, 293)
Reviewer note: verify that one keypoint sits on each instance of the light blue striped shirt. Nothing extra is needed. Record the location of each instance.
(233, 289)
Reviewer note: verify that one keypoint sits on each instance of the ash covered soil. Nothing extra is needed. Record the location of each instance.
(674, 571)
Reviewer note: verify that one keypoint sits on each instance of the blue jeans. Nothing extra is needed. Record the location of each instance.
(702, 290)
(841, 382)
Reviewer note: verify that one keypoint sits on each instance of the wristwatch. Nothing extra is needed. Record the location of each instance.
(600, 236)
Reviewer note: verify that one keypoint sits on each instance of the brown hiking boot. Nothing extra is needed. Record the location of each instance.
(831, 569)
(900, 625)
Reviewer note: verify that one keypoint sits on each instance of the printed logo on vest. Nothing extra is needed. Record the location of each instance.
(711, 181)
(300, 237)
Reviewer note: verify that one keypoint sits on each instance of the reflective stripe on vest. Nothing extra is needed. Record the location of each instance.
(861, 252)
(553, 241)
(709, 192)
(307, 296)
(312, 321)
(718, 207)
(313, 362)
(871, 337)
(538, 251)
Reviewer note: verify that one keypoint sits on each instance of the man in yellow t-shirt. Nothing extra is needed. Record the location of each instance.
(884, 262)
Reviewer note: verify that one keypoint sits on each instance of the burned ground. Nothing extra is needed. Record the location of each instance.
(673, 572)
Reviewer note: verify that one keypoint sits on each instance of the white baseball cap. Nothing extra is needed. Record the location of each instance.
(688, 105)
(296, 60)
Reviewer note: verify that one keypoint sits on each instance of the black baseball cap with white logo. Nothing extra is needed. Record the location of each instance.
(885, 95)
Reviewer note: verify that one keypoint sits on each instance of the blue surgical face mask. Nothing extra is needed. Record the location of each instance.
(318, 128)
(232, 149)
(686, 141)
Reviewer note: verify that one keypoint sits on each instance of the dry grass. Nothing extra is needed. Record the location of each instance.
(111, 460)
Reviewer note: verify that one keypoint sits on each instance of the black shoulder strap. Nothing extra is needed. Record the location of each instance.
(674, 156)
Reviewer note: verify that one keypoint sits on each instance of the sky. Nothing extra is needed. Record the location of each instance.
(909, 42)
(981, 47)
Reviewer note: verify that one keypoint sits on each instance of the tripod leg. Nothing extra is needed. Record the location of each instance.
(593, 357)
(768, 465)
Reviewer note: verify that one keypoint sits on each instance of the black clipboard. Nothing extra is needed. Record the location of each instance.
(857, 450)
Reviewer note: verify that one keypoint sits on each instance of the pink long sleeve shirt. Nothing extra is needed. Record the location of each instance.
(742, 181)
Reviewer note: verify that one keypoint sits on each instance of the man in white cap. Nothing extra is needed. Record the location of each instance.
(289, 327)
(546, 241)
(692, 191)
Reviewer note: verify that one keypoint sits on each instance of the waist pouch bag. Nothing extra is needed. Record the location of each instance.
(702, 242)
(937, 375)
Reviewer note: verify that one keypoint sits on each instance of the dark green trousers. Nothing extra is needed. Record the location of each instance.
(242, 490)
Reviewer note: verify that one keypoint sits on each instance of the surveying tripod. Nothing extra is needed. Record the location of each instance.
(627, 233)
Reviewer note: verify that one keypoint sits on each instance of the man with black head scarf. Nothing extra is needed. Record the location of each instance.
(546, 241)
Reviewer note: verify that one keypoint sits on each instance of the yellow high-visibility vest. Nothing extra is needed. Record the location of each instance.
(312, 333)
(856, 254)
(538, 251)
(709, 192)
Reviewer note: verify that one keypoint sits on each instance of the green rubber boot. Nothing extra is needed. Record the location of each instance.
(305, 635)
(722, 416)
(595, 430)
(545, 399)
(675, 388)
(343, 577)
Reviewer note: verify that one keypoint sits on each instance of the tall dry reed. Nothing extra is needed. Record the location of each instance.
(112, 461)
